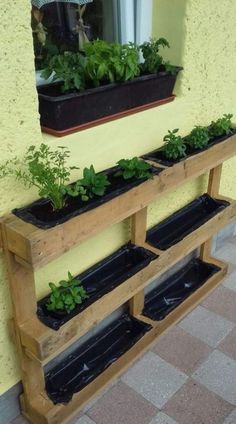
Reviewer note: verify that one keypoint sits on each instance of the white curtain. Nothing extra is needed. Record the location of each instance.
(134, 20)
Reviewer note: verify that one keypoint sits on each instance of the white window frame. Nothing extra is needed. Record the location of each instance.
(134, 24)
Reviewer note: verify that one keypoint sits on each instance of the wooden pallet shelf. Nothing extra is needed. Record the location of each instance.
(35, 247)
(45, 412)
(43, 343)
(28, 248)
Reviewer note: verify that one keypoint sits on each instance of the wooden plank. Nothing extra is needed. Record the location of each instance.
(39, 247)
(138, 236)
(139, 226)
(213, 190)
(44, 343)
(41, 409)
(22, 289)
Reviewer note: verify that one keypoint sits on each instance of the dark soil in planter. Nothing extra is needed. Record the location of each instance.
(159, 157)
(185, 221)
(64, 111)
(99, 280)
(175, 289)
(41, 214)
(95, 356)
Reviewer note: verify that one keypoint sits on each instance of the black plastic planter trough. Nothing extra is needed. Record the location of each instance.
(41, 214)
(62, 112)
(99, 280)
(175, 289)
(183, 222)
(95, 356)
(159, 157)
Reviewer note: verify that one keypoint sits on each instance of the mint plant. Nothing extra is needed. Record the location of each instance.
(45, 169)
(174, 147)
(67, 295)
(134, 168)
(198, 138)
(94, 184)
(152, 59)
(223, 126)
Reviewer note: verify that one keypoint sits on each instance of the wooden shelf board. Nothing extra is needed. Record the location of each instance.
(37, 247)
(40, 410)
(43, 343)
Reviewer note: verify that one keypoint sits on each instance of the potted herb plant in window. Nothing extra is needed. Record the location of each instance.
(104, 81)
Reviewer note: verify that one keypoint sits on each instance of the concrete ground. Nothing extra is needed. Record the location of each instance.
(188, 377)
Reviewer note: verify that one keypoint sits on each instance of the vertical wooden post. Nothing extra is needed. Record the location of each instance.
(213, 190)
(24, 304)
(138, 236)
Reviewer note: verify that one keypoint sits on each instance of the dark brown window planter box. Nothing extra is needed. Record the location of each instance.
(62, 114)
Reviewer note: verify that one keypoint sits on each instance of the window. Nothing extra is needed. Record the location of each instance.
(65, 25)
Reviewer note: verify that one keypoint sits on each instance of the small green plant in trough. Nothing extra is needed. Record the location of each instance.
(198, 138)
(174, 147)
(134, 168)
(223, 126)
(152, 59)
(94, 184)
(67, 295)
(45, 169)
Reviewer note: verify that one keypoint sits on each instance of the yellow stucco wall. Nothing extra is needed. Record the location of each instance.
(203, 36)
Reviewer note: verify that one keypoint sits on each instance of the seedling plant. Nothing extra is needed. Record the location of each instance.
(134, 168)
(67, 295)
(93, 184)
(198, 138)
(174, 147)
(223, 126)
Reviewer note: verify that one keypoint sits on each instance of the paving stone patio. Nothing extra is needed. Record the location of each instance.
(188, 377)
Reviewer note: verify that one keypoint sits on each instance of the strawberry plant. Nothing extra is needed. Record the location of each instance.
(134, 168)
(198, 138)
(67, 295)
(174, 147)
(223, 126)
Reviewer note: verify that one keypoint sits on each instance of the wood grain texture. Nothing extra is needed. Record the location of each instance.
(38, 247)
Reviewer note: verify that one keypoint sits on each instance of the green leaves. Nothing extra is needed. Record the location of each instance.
(150, 51)
(223, 126)
(94, 184)
(174, 147)
(45, 169)
(134, 168)
(198, 138)
(67, 295)
(100, 63)
(69, 67)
